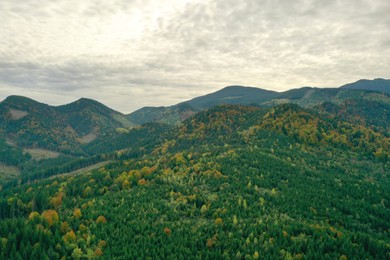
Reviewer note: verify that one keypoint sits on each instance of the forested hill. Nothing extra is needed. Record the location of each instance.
(232, 181)
(30, 124)
(41, 140)
(239, 95)
(380, 85)
(377, 89)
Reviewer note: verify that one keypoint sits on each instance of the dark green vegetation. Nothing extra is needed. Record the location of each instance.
(173, 115)
(305, 97)
(380, 85)
(245, 182)
(42, 140)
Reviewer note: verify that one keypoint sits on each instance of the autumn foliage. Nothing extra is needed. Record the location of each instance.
(101, 219)
(70, 237)
(77, 213)
(51, 217)
(167, 231)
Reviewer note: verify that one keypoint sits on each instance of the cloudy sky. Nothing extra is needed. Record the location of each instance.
(134, 53)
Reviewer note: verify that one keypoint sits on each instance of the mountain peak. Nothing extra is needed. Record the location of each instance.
(232, 95)
(86, 100)
(21, 102)
(240, 88)
(85, 103)
(378, 84)
(16, 98)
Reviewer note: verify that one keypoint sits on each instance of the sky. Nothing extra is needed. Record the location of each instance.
(129, 54)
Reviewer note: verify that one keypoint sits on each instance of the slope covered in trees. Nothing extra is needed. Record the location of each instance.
(59, 133)
(377, 90)
(233, 181)
(65, 128)
(380, 85)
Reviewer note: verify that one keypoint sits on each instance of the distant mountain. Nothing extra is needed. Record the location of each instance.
(381, 85)
(89, 117)
(309, 97)
(177, 113)
(85, 126)
(305, 97)
(172, 115)
(30, 124)
(238, 95)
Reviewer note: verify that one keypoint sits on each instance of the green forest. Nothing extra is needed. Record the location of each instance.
(231, 182)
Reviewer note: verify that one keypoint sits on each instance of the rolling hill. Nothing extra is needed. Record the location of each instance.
(238, 95)
(380, 85)
(172, 115)
(41, 140)
(30, 124)
(232, 181)
(305, 97)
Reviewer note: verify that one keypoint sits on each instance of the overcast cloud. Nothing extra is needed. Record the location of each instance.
(134, 53)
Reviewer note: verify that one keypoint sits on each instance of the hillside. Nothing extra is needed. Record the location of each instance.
(38, 137)
(41, 140)
(176, 114)
(172, 115)
(89, 117)
(380, 85)
(305, 97)
(232, 181)
(31, 124)
(238, 95)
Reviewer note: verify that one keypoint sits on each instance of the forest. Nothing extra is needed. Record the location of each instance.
(231, 182)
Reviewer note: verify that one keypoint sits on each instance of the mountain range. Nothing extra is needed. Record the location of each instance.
(66, 129)
(87, 128)
(306, 97)
(242, 173)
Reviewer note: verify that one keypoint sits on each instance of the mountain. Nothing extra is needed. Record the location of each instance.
(41, 140)
(90, 118)
(310, 97)
(305, 97)
(232, 181)
(380, 85)
(172, 115)
(233, 95)
(369, 113)
(177, 113)
(31, 124)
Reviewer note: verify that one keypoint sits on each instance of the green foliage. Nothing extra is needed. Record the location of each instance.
(381, 85)
(231, 182)
(11, 155)
(173, 115)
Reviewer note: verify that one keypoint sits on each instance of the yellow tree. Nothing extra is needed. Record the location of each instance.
(77, 213)
(51, 217)
(101, 219)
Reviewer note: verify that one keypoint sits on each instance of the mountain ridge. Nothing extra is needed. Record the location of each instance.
(286, 181)
(378, 84)
(68, 127)
(305, 96)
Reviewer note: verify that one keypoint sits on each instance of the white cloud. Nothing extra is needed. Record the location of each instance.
(129, 54)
